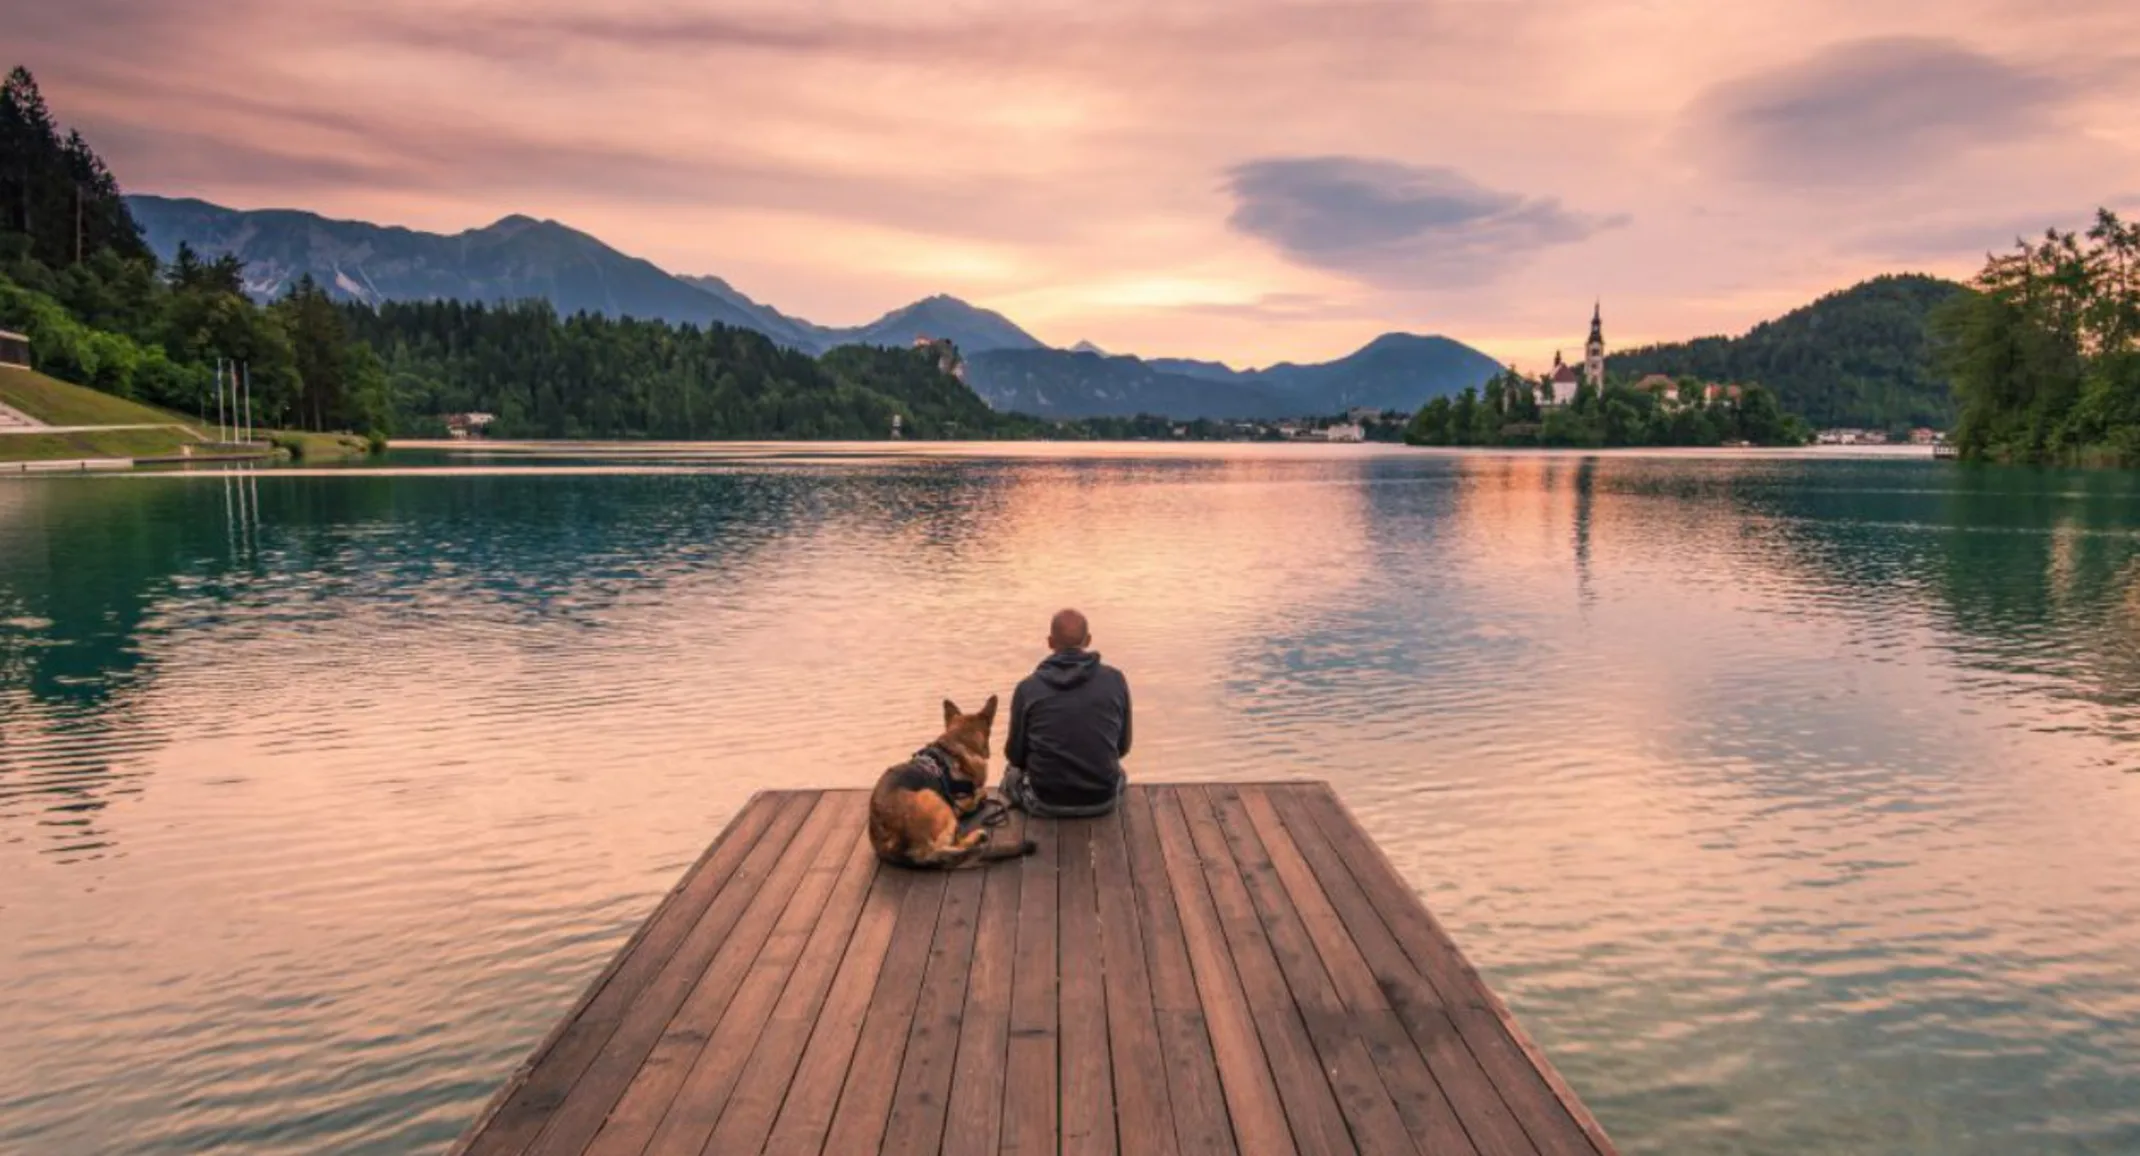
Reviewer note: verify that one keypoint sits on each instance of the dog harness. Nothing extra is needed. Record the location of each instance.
(933, 759)
(949, 785)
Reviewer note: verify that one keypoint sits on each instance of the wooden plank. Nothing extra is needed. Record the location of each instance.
(1486, 1117)
(1088, 1104)
(866, 1097)
(1260, 1121)
(850, 925)
(800, 1109)
(782, 912)
(1550, 1114)
(1341, 994)
(737, 933)
(518, 1111)
(916, 1126)
(1030, 1092)
(1144, 1120)
(714, 1034)
(1198, 1104)
(975, 1125)
(1310, 1092)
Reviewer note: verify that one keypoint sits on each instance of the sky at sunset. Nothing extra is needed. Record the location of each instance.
(1246, 179)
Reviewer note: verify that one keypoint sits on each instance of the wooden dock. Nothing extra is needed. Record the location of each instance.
(1209, 970)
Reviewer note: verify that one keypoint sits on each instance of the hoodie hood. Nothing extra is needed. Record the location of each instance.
(1068, 668)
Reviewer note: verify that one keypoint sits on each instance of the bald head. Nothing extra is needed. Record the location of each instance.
(1068, 630)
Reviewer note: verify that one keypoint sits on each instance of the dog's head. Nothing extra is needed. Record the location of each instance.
(966, 736)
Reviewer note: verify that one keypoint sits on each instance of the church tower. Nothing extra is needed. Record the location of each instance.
(1594, 350)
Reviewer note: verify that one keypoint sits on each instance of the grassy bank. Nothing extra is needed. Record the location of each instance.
(57, 402)
(114, 443)
(61, 404)
(315, 448)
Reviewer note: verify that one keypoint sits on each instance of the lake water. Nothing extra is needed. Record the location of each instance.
(1790, 802)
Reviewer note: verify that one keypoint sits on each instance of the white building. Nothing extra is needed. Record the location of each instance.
(1560, 384)
(1850, 437)
(468, 425)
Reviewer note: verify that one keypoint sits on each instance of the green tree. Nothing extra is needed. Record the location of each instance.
(55, 193)
(1490, 415)
(2042, 354)
(1586, 399)
(1761, 419)
(318, 343)
(1624, 422)
(1566, 428)
(1464, 417)
(1430, 426)
(1523, 395)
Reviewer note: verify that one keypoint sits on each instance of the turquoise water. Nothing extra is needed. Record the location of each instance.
(1791, 802)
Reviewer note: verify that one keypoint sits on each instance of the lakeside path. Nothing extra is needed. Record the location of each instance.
(32, 430)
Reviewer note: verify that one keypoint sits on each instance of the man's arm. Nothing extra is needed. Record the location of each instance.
(1123, 749)
(1014, 747)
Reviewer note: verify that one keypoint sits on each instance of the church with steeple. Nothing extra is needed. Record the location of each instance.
(1594, 349)
(1564, 380)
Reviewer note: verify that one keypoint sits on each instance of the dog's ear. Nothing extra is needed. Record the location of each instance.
(951, 712)
(988, 711)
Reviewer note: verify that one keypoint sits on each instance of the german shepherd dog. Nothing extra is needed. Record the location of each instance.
(915, 809)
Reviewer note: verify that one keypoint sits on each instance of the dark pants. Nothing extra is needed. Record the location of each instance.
(1019, 790)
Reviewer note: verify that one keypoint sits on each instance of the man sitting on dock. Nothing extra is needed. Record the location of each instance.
(1069, 729)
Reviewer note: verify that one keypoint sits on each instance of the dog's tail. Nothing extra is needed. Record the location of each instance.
(984, 852)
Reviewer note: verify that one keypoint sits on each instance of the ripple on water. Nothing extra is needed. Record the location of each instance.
(1781, 799)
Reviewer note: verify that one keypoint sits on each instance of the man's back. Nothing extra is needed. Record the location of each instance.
(1070, 727)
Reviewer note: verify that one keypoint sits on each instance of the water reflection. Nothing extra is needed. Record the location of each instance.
(1783, 799)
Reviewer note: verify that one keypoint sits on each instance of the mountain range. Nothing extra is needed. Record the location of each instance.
(516, 258)
(970, 327)
(1397, 371)
(520, 257)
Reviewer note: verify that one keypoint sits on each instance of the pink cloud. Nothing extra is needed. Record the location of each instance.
(1042, 155)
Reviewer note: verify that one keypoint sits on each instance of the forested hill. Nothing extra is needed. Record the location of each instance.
(593, 377)
(1858, 357)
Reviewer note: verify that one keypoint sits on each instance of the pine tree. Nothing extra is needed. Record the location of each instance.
(28, 145)
(57, 193)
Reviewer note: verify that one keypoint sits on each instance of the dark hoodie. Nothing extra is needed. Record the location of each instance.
(1070, 729)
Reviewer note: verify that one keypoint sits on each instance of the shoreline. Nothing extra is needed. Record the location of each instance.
(580, 447)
